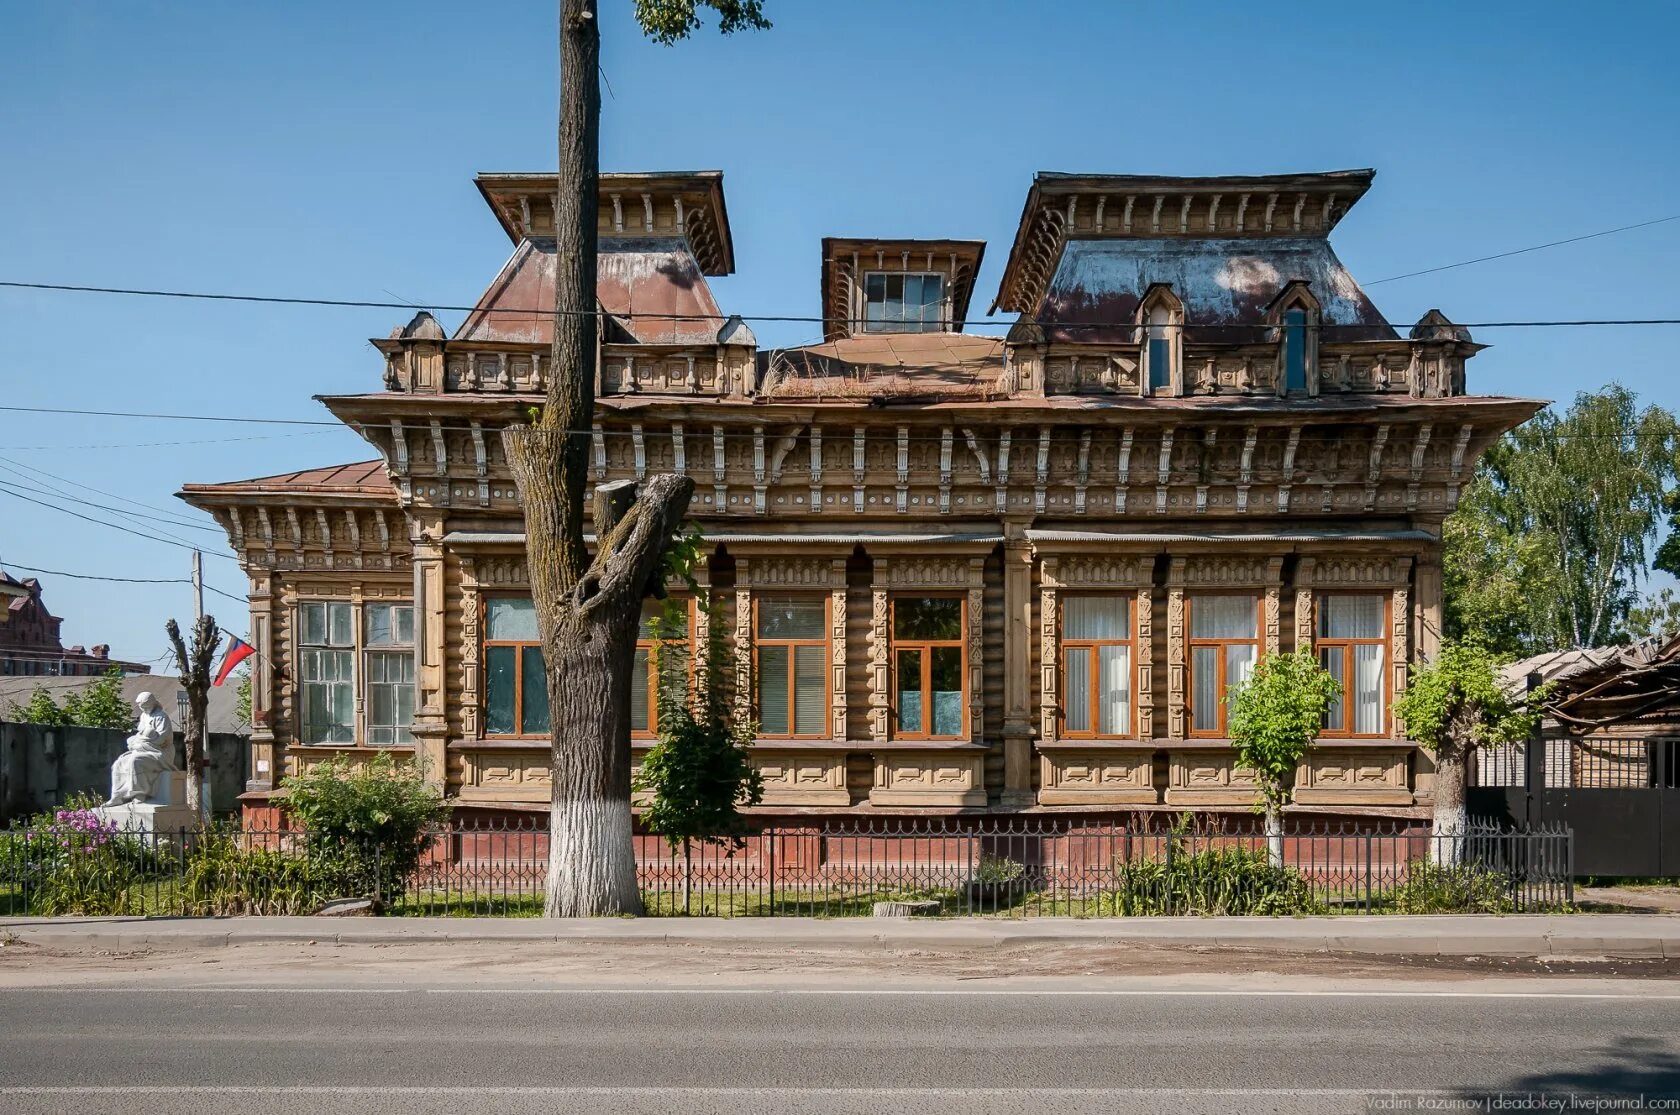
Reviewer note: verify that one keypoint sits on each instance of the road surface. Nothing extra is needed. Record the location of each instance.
(380, 1041)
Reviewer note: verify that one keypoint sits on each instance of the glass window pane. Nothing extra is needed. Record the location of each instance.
(1096, 617)
(1350, 617)
(664, 619)
(1204, 688)
(533, 716)
(773, 690)
(404, 632)
(1333, 661)
(500, 690)
(1078, 673)
(909, 685)
(1239, 663)
(338, 625)
(810, 691)
(1367, 689)
(1114, 690)
(639, 691)
(314, 624)
(792, 617)
(1160, 362)
(875, 295)
(1223, 617)
(378, 619)
(927, 618)
(933, 298)
(895, 299)
(511, 618)
(1295, 350)
(946, 683)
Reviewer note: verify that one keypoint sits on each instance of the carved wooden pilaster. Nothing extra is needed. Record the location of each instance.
(976, 648)
(1428, 606)
(430, 726)
(263, 774)
(743, 644)
(1146, 661)
(837, 646)
(1304, 614)
(880, 679)
(1177, 704)
(1049, 653)
(1017, 629)
(471, 639)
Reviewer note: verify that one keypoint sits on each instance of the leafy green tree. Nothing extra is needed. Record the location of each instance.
(101, 704)
(1452, 706)
(1276, 714)
(1550, 544)
(698, 775)
(588, 606)
(1657, 615)
(242, 698)
(40, 709)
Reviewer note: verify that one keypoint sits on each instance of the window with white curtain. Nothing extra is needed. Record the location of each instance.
(1352, 645)
(1096, 666)
(1224, 644)
(792, 650)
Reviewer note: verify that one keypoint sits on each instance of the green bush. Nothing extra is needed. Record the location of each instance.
(221, 876)
(1214, 881)
(364, 826)
(1466, 889)
(70, 861)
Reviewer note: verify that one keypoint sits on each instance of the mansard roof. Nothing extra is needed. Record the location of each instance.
(1061, 208)
(655, 276)
(1226, 286)
(363, 478)
(683, 203)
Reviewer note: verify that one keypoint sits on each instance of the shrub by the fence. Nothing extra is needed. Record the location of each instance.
(1467, 888)
(225, 874)
(70, 861)
(368, 822)
(1214, 881)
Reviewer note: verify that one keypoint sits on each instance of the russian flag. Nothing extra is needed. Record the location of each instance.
(238, 651)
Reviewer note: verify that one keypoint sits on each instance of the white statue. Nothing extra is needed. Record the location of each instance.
(134, 776)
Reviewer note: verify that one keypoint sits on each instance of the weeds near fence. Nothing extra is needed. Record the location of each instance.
(981, 866)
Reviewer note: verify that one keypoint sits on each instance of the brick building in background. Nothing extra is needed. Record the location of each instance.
(29, 639)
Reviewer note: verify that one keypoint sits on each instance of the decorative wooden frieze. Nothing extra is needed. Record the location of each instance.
(945, 449)
(816, 470)
(720, 473)
(1359, 571)
(901, 483)
(1226, 571)
(1082, 473)
(859, 467)
(787, 572)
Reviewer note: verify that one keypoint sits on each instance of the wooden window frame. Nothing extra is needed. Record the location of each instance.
(942, 323)
(1222, 729)
(365, 678)
(896, 645)
(652, 731)
(1064, 644)
(1385, 640)
(354, 648)
(485, 643)
(827, 645)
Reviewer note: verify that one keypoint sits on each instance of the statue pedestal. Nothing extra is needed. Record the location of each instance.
(166, 814)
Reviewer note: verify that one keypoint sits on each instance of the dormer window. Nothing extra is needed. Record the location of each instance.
(903, 302)
(1160, 349)
(1295, 349)
(1160, 318)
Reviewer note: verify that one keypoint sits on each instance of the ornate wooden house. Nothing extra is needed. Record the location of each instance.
(957, 571)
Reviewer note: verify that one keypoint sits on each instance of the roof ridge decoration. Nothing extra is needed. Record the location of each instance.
(1061, 207)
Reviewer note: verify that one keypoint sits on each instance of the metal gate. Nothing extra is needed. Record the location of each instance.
(1620, 796)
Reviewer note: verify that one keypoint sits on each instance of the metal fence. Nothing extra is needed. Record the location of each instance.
(1018, 867)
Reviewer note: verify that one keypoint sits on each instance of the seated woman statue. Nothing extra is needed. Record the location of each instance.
(134, 776)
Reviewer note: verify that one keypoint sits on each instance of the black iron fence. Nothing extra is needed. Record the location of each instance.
(1020, 867)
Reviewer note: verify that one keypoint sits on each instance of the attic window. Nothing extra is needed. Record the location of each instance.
(1295, 349)
(903, 302)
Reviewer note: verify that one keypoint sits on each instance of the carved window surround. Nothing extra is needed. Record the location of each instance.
(1374, 573)
(313, 590)
(1215, 573)
(1061, 573)
(761, 574)
(906, 573)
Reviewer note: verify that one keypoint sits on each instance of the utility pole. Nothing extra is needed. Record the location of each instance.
(206, 809)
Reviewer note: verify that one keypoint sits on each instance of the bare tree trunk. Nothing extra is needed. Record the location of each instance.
(1274, 835)
(194, 667)
(1451, 813)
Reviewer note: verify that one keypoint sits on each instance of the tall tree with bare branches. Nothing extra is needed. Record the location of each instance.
(588, 608)
(195, 665)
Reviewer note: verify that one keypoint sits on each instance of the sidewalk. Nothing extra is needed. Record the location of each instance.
(1647, 936)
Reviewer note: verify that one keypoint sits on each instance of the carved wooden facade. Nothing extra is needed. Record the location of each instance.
(1233, 417)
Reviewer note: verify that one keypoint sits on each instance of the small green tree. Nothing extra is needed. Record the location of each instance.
(39, 709)
(101, 704)
(697, 775)
(1452, 706)
(1276, 714)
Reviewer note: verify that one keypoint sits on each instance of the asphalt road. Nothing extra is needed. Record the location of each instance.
(342, 1049)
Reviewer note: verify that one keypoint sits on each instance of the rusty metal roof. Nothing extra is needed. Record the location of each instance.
(363, 478)
(888, 366)
(656, 276)
(1221, 282)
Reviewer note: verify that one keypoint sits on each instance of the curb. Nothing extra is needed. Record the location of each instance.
(1647, 937)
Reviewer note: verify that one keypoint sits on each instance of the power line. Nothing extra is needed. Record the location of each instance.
(1523, 251)
(155, 444)
(643, 316)
(95, 577)
(13, 486)
(113, 526)
(168, 516)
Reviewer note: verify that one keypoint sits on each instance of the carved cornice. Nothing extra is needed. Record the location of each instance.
(1098, 570)
(1356, 572)
(1225, 571)
(812, 573)
(917, 572)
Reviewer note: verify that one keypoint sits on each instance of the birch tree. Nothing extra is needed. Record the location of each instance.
(588, 607)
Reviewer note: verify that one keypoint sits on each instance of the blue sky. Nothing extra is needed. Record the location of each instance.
(328, 150)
